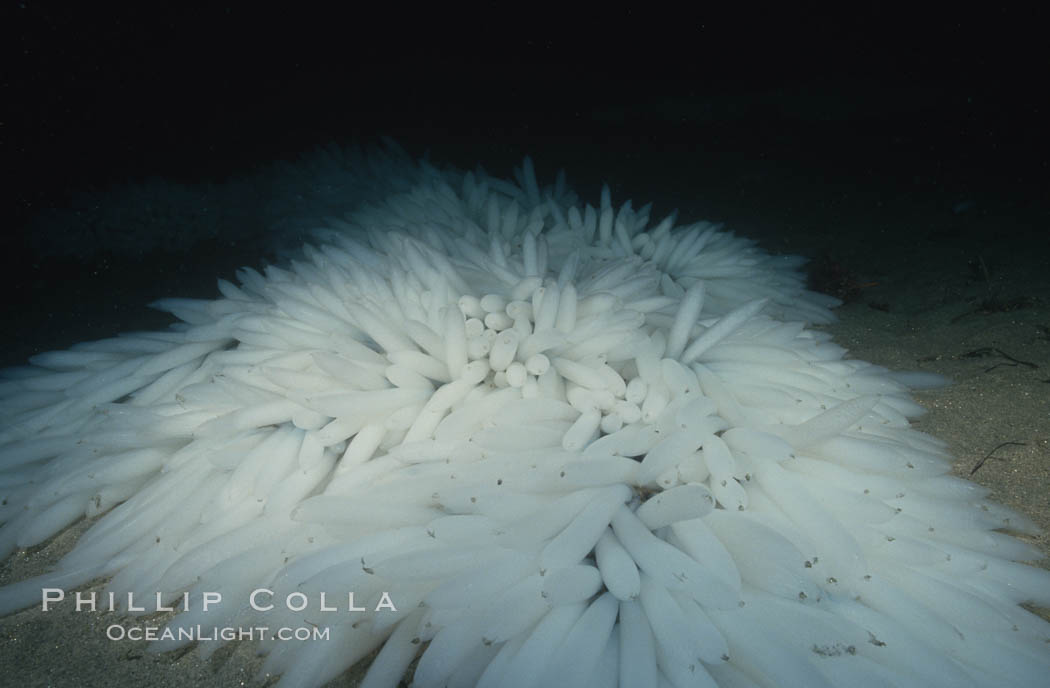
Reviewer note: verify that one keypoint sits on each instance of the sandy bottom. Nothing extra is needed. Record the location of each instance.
(931, 290)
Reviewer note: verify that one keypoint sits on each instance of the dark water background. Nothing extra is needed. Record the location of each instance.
(882, 145)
